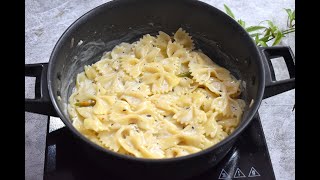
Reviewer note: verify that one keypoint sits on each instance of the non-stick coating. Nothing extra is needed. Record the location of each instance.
(216, 34)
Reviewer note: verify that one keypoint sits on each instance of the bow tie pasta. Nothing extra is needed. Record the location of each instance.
(156, 98)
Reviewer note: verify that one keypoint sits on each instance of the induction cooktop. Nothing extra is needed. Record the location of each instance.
(249, 158)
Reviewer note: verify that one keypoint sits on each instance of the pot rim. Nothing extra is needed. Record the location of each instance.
(233, 135)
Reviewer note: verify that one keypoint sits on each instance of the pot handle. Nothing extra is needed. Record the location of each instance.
(41, 104)
(274, 87)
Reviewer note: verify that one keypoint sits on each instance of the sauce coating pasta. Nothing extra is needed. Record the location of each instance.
(156, 98)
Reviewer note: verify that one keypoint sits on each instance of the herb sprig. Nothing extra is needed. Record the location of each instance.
(266, 30)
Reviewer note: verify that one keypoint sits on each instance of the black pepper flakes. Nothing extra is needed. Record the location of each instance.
(148, 115)
(124, 110)
(192, 127)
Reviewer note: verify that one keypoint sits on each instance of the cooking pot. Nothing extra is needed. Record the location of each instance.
(214, 32)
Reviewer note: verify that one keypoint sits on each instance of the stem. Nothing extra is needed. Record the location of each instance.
(287, 31)
(290, 23)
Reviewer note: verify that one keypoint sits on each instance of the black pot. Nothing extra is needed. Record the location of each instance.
(218, 35)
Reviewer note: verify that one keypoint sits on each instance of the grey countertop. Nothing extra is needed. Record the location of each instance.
(46, 20)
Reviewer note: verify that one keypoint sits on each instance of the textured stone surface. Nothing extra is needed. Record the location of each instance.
(47, 20)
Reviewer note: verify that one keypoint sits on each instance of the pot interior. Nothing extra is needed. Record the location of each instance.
(216, 34)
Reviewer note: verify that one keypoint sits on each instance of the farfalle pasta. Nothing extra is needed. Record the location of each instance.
(156, 98)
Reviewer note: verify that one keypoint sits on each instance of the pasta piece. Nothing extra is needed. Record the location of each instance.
(165, 104)
(186, 85)
(211, 127)
(193, 129)
(221, 105)
(108, 140)
(104, 66)
(94, 124)
(113, 82)
(132, 66)
(134, 98)
(189, 115)
(152, 54)
(147, 40)
(90, 134)
(162, 41)
(137, 86)
(159, 80)
(144, 115)
(181, 151)
(91, 72)
(125, 140)
(85, 112)
(200, 58)
(100, 91)
(216, 86)
(175, 49)
(121, 50)
(232, 88)
(106, 55)
(144, 46)
(170, 65)
(182, 37)
(190, 109)
(103, 104)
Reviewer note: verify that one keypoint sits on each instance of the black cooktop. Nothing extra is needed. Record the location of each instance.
(248, 159)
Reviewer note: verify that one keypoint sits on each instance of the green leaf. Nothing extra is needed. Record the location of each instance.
(270, 23)
(293, 18)
(273, 28)
(278, 38)
(242, 23)
(294, 14)
(267, 32)
(228, 11)
(254, 28)
(263, 21)
(265, 38)
(263, 44)
(266, 35)
(256, 39)
(289, 12)
(255, 34)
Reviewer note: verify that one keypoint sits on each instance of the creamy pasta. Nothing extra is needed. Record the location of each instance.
(156, 98)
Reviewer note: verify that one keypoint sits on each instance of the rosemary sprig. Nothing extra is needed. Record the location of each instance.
(266, 31)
